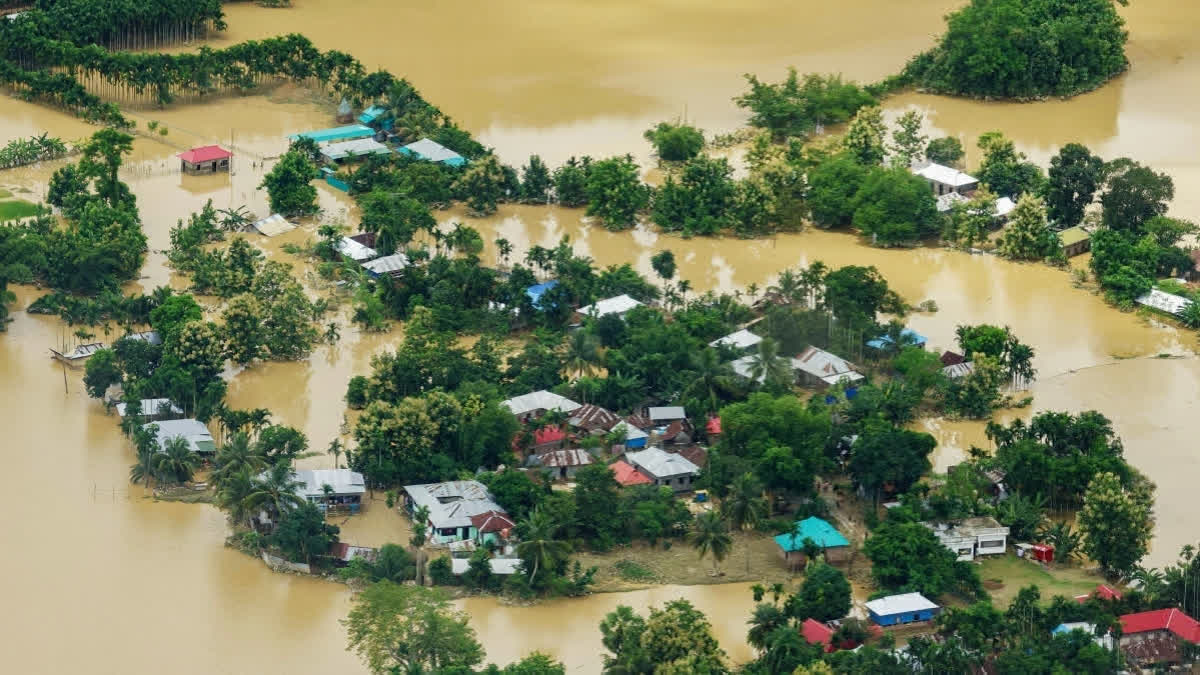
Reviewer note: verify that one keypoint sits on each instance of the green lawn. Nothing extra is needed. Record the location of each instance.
(16, 208)
(1015, 573)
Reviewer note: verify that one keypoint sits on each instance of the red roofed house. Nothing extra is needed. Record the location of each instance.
(713, 427)
(1153, 637)
(492, 526)
(1103, 591)
(627, 475)
(817, 633)
(206, 159)
(548, 438)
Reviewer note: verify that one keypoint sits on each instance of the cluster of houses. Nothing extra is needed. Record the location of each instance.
(951, 186)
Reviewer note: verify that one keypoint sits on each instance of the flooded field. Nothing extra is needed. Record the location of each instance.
(138, 586)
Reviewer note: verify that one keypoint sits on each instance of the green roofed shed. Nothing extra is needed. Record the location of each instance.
(834, 544)
(1075, 240)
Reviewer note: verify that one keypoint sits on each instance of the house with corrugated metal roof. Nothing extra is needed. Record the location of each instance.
(205, 159)
(619, 305)
(346, 488)
(537, 403)
(432, 151)
(894, 610)
(562, 464)
(823, 369)
(665, 468)
(451, 505)
(198, 438)
(833, 544)
(944, 179)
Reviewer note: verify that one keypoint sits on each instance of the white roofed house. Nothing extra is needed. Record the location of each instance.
(355, 250)
(619, 305)
(665, 468)
(972, 537)
(152, 409)
(193, 431)
(823, 369)
(740, 340)
(458, 510)
(391, 265)
(535, 404)
(944, 179)
(346, 488)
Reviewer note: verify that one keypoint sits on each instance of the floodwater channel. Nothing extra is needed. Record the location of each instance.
(138, 586)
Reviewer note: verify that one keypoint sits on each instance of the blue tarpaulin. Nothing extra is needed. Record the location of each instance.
(536, 292)
(913, 337)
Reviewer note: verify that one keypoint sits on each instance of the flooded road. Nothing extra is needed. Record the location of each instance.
(133, 585)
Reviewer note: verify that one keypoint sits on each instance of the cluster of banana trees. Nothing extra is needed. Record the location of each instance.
(21, 151)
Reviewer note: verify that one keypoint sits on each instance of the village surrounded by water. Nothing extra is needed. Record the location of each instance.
(712, 423)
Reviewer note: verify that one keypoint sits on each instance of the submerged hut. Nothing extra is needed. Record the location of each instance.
(206, 159)
(345, 113)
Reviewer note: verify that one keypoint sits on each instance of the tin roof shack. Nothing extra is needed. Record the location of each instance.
(77, 356)
(193, 431)
(355, 249)
(895, 610)
(834, 545)
(376, 116)
(348, 488)
(205, 159)
(972, 537)
(822, 369)
(431, 151)
(1075, 241)
(389, 265)
(562, 463)
(944, 179)
(741, 340)
(358, 147)
(451, 506)
(1168, 303)
(500, 566)
(152, 409)
(1153, 638)
(273, 225)
(336, 133)
(594, 419)
(537, 403)
(665, 468)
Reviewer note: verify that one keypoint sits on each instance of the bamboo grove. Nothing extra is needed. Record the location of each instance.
(67, 66)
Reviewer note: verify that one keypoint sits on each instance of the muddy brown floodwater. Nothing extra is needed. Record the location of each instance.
(137, 586)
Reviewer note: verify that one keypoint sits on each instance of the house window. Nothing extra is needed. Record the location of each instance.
(448, 531)
(991, 543)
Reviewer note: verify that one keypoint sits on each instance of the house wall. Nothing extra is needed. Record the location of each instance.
(681, 483)
(903, 617)
(991, 544)
(439, 536)
(205, 167)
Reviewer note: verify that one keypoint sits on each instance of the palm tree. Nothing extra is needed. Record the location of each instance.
(745, 506)
(143, 468)
(767, 367)
(336, 449)
(238, 455)
(275, 490)
(788, 287)
(765, 619)
(538, 541)
(812, 280)
(711, 378)
(583, 353)
(710, 535)
(232, 496)
(176, 463)
(1066, 542)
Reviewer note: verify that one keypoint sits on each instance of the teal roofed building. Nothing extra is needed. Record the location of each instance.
(375, 113)
(834, 545)
(345, 133)
(432, 151)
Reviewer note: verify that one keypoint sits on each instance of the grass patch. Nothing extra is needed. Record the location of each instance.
(1015, 573)
(632, 571)
(17, 208)
(4, 194)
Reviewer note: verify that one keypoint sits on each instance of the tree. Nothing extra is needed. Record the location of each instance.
(597, 495)
(663, 264)
(771, 369)
(977, 394)
(675, 142)
(302, 533)
(894, 207)
(824, 595)
(1116, 523)
(275, 491)
(987, 50)
(908, 142)
(700, 201)
(910, 557)
(409, 629)
(744, 506)
(864, 137)
(710, 536)
(245, 333)
(674, 640)
(614, 193)
(712, 380)
(947, 151)
(897, 457)
(173, 313)
(1075, 175)
(176, 463)
(535, 181)
(773, 432)
(832, 185)
(539, 549)
(101, 372)
(583, 353)
(394, 218)
(289, 185)
(570, 182)
(237, 456)
(797, 108)
(970, 221)
(482, 185)
(1028, 235)
(1004, 170)
(857, 294)
(1133, 194)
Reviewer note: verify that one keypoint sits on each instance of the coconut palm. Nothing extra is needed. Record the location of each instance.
(767, 367)
(710, 379)
(146, 449)
(232, 496)
(336, 449)
(538, 543)
(176, 463)
(238, 455)
(583, 353)
(763, 621)
(788, 287)
(745, 507)
(710, 536)
(275, 490)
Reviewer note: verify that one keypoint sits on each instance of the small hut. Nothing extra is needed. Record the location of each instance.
(207, 159)
(345, 114)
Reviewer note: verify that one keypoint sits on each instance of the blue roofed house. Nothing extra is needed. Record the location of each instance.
(432, 151)
(345, 133)
(376, 115)
(895, 610)
(834, 545)
(908, 337)
(1105, 641)
(536, 291)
